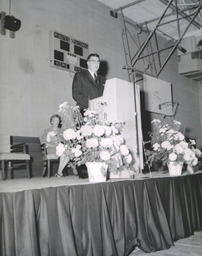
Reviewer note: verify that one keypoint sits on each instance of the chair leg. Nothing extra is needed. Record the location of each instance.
(44, 168)
(10, 170)
(49, 167)
(3, 165)
(28, 168)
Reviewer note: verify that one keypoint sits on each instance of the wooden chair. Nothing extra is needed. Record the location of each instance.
(13, 155)
(48, 160)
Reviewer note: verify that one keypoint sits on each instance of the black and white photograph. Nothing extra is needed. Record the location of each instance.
(101, 128)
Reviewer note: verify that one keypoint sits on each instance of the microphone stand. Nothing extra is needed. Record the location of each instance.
(138, 121)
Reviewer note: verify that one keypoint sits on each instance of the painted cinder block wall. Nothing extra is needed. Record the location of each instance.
(31, 90)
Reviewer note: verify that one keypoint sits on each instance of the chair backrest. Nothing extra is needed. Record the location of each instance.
(5, 142)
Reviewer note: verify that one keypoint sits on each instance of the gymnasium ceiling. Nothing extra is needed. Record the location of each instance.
(149, 11)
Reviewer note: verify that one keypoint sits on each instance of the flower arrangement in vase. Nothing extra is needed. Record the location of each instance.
(169, 147)
(96, 140)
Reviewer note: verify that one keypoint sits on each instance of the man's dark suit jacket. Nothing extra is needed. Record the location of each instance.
(84, 88)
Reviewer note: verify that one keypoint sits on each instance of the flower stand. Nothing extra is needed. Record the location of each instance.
(97, 171)
(175, 168)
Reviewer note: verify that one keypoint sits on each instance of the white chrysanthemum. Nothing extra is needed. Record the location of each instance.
(124, 150)
(118, 140)
(49, 135)
(166, 145)
(78, 147)
(60, 149)
(77, 152)
(89, 113)
(106, 142)
(172, 156)
(69, 134)
(178, 149)
(179, 136)
(86, 130)
(92, 143)
(63, 105)
(108, 130)
(156, 146)
(188, 151)
(184, 144)
(156, 121)
(105, 155)
(128, 158)
(176, 122)
(98, 130)
(162, 130)
(187, 157)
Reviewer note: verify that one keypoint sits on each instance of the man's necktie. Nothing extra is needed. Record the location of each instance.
(96, 78)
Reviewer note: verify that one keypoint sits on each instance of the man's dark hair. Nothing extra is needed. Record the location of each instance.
(92, 55)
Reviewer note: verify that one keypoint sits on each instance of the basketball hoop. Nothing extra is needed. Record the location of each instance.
(168, 109)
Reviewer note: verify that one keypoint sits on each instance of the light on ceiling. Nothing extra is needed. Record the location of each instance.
(182, 49)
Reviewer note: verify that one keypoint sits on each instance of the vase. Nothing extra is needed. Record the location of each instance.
(175, 168)
(97, 171)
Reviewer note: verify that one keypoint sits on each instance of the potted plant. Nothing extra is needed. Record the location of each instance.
(169, 147)
(98, 144)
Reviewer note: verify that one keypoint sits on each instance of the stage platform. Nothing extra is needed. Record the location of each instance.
(71, 217)
(20, 184)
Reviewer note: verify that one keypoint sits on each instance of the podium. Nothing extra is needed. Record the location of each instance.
(122, 105)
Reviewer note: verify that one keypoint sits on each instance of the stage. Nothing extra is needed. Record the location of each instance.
(69, 216)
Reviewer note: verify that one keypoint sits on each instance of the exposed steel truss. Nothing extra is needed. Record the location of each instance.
(150, 52)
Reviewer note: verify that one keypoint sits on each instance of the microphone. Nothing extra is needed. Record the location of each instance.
(128, 68)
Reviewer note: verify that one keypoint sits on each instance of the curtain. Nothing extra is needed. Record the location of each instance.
(101, 219)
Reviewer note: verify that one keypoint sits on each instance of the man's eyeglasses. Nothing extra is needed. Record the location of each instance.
(95, 61)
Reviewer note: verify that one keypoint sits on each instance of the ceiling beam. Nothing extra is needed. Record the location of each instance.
(114, 12)
(168, 15)
(141, 54)
(173, 7)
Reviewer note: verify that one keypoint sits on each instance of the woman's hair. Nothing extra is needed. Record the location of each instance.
(57, 116)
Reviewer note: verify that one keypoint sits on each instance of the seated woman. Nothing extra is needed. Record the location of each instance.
(51, 137)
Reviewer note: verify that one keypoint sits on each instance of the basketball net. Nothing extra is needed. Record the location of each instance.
(168, 109)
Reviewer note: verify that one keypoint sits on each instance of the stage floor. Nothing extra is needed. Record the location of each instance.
(14, 185)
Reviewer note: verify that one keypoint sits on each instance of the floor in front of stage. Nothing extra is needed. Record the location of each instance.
(191, 246)
(20, 184)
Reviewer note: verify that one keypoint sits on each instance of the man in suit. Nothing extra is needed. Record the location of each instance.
(88, 84)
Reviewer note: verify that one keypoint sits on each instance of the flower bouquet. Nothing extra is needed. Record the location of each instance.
(168, 145)
(96, 140)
